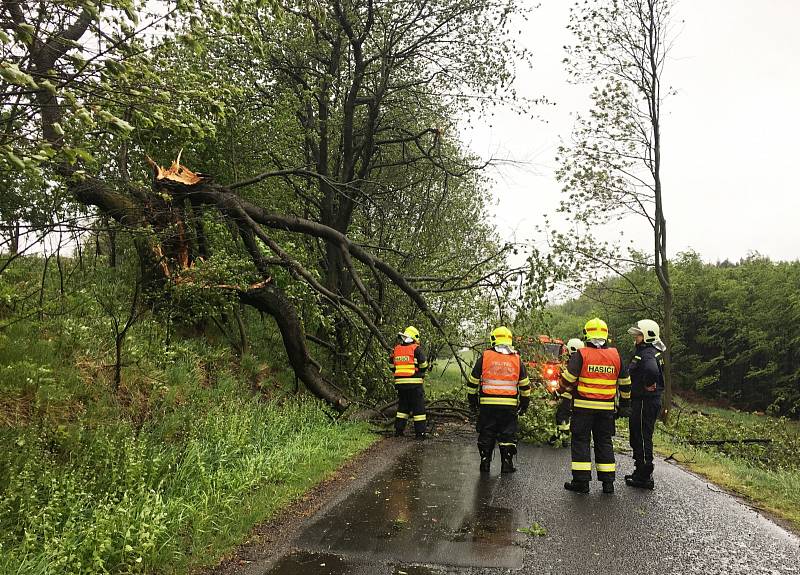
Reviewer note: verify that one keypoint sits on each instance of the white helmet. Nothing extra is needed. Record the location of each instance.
(646, 328)
(574, 345)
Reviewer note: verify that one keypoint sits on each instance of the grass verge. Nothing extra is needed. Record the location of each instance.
(766, 475)
(114, 501)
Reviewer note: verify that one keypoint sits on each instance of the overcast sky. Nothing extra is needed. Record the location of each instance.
(730, 136)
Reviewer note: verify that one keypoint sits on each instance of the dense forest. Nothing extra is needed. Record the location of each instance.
(734, 338)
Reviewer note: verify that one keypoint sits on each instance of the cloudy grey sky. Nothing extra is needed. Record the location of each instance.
(730, 149)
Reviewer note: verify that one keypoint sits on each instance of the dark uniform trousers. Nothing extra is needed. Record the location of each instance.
(410, 402)
(644, 412)
(497, 423)
(597, 424)
(563, 414)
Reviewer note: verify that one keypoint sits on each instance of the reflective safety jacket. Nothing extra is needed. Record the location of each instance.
(597, 371)
(408, 364)
(499, 378)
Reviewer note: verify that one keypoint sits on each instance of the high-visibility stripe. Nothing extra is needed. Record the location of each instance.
(637, 357)
(526, 381)
(596, 381)
(625, 394)
(489, 388)
(588, 404)
(498, 400)
(609, 391)
(507, 444)
(473, 379)
(563, 427)
(569, 377)
(581, 466)
(401, 380)
(525, 392)
(401, 415)
(606, 467)
(420, 417)
(471, 391)
(503, 382)
(624, 381)
(566, 395)
(423, 365)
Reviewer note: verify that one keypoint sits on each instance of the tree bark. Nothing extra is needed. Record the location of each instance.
(272, 300)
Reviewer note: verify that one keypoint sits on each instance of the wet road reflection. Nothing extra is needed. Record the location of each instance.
(431, 507)
(305, 563)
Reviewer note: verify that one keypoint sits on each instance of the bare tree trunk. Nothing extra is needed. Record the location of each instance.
(14, 246)
(667, 332)
(244, 344)
(42, 287)
(112, 247)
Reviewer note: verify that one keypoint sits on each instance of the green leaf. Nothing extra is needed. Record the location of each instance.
(535, 530)
(14, 159)
(13, 75)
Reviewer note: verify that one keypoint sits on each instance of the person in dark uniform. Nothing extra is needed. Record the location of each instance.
(499, 389)
(647, 385)
(564, 409)
(596, 372)
(409, 364)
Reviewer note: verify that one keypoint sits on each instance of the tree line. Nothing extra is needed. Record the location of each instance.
(734, 338)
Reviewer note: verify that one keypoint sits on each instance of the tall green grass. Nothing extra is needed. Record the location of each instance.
(109, 500)
(166, 472)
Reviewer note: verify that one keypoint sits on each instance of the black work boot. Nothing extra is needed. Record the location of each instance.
(577, 486)
(638, 472)
(486, 459)
(608, 487)
(640, 482)
(642, 477)
(507, 459)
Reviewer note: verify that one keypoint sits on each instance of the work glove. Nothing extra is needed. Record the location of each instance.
(473, 401)
(524, 403)
(624, 410)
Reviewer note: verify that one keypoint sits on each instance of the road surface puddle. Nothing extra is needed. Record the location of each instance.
(432, 507)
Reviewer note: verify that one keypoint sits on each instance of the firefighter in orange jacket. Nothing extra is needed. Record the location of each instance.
(595, 373)
(499, 386)
(409, 366)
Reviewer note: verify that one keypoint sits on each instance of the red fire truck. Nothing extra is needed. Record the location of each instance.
(543, 357)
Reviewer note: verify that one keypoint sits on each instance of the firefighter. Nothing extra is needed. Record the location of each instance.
(647, 384)
(564, 409)
(598, 372)
(409, 366)
(499, 389)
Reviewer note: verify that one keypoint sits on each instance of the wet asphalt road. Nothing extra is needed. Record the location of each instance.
(432, 513)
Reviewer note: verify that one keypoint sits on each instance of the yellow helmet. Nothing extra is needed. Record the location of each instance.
(502, 336)
(595, 328)
(412, 332)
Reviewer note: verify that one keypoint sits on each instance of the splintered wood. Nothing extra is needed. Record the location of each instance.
(177, 173)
